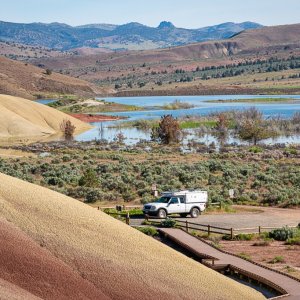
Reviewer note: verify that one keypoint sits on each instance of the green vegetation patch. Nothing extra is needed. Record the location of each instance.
(151, 231)
(254, 100)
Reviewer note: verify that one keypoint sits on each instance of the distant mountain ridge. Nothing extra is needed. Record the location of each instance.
(131, 36)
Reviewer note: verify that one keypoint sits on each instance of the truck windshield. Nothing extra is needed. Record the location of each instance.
(163, 200)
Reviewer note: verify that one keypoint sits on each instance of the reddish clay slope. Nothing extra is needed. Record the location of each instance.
(9, 291)
(31, 267)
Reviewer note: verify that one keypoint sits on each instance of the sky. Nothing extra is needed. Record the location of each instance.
(183, 13)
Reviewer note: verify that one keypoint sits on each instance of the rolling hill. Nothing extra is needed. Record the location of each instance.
(77, 250)
(21, 118)
(152, 65)
(28, 81)
(131, 36)
(25, 53)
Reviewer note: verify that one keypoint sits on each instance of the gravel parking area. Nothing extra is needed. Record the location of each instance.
(260, 216)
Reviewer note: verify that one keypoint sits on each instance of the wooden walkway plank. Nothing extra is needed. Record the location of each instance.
(202, 249)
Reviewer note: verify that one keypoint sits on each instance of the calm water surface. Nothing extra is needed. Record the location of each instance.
(201, 108)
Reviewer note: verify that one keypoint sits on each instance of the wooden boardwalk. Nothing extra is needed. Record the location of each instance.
(220, 260)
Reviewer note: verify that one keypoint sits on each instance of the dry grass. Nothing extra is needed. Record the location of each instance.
(120, 261)
(24, 118)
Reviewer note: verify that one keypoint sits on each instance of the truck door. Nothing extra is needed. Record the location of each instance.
(182, 205)
(174, 205)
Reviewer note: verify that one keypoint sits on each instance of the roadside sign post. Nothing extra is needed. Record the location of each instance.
(154, 190)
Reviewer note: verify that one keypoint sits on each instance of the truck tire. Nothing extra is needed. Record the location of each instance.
(183, 215)
(162, 214)
(195, 212)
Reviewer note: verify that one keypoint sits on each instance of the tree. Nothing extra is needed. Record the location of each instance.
(67, 129)
(253, 127)
(222, 122)
(89, 179)
(222, 125)
(119, 138)
(168, 130)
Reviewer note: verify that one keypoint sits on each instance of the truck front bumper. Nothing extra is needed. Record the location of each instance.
(150, 212)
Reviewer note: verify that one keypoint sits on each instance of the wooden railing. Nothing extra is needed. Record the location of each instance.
(209, 229)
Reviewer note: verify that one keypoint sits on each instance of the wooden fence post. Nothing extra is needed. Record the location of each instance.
(259, 230)
(208, 230)
(231, 233)
(187, 226)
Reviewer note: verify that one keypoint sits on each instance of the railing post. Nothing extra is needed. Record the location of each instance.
(259, 230)
(208, 230)
(187, 226)
(128, 219)
(147, 218)
(231, 233)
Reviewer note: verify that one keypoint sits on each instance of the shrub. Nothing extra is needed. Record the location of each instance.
(282, 234)
(128, 196)
(255, 149)
(148, 231)
(54, 181)
(92, 196)
(244, 256)
(277, 259)
(66, 158)
(48, 72)
(245, 237)
(293, 241)
(168, 223)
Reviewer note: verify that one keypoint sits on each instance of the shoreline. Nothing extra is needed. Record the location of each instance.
(209, 91)
(91, 118)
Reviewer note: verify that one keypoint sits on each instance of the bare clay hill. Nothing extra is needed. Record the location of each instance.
(55, 247)
(25, 80)
(21, 118)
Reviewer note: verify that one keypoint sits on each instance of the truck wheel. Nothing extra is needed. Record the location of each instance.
(162, 214)
(183, 215)
(195, 212)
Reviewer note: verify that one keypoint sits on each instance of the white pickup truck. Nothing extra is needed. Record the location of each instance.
(182, 202)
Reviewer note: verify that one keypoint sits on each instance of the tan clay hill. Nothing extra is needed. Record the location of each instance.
(25, 80)
(55, 247)
(21, 118)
